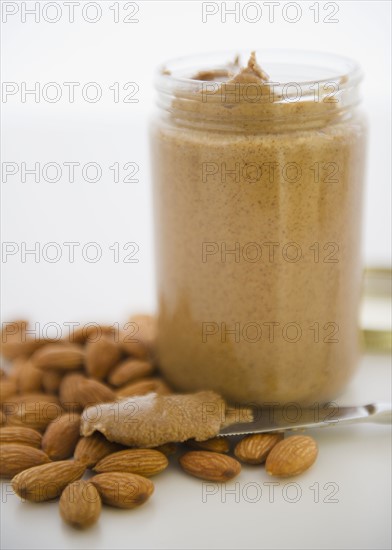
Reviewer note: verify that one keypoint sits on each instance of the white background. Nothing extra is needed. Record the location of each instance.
(106, 212)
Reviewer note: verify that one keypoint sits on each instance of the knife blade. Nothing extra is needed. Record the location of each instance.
(294, 417)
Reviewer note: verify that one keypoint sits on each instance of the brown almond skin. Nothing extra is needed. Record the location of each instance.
(8, 388)
(144, 386)
(215, 444)
(64, 357)
(292, 456)
(122, 490)
(145, 462)
(29, 378)
(129, 371)
(92, 332)
(101, 357)
(167, 449)
(80, 504)
(210, 466)
(47, 481)
(78, 392)
(61, 436)
(3, 418)
(15, 458)
(93, 448)
(254, 449)
(51, 380)
(36, 415)
(20, 436)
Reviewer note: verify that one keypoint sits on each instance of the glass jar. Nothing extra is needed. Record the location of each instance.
(258, 192)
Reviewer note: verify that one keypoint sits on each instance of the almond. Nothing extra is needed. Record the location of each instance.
(29, 378)
(92, 332)
(145, 462)
(216, 444)
(15, 458)
(292, 456)
(51, 380)
(46, 481)
(61, 436)
(123, 490)
(20, 436)
(14, 340)
(93, 448)
(8, 388)
(144, 386)
(253, 449)
(65, 357)
(167, 448)
(101, 357)
(130, 341)
(80, 504)
(209, 465)
(3, 418)
(80, 392)
(35, 414)
(129, 371)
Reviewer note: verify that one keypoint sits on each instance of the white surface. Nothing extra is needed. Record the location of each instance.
(356, 459)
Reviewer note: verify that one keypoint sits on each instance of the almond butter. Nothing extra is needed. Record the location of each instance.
(101, 357)
(210, 466)
(21, 436)
(215, 444)
(93, 448)
(15, 458)
(292, 456)
(64, 357)
(254, 449)
(80, 392)
(123, 490)
(147, 330)
(144, 386)
(61, 436)
(145, 462)
(80, 504)
(47, 481)
(129, 371)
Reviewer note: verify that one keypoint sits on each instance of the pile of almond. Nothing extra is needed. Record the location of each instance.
(43, 393)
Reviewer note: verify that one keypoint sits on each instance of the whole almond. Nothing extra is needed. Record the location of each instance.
(93, 448)
(101, 357)
(292, 456)
(122, 490)
(209, 465)
(215, 444)
(51, 380)
(92, 332)
(254, 449)
(65, 357)
(3, 418)
(29, 378)
(35, 414)
(129, 371)
(8, 388)
(61, 436)
(145, 462)
(144, 386)
(15, 343)
(77, 390)
(20, 436)
(15, 458)
(47, 481)
(80, 504)
(167, 448)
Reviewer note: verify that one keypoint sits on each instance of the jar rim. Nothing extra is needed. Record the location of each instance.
(178, 72)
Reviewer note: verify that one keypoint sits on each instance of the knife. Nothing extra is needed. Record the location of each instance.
(294, 417)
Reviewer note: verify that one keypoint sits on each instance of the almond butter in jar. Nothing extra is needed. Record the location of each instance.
(258, 191)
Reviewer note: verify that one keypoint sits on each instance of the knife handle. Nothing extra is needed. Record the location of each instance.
(380, 413)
